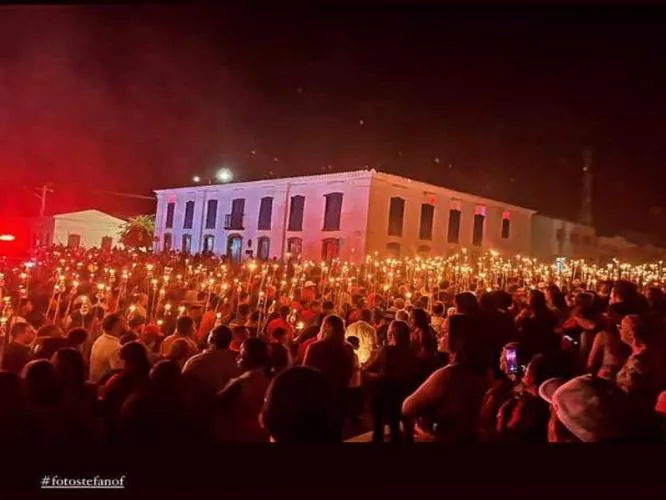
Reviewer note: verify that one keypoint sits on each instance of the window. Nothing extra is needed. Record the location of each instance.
(427, 216)
(396, 216)
(107, 243)
(209, 243)
(211, 214)
(393, 250)
(454, 226)
(294, 246)
(186, 246)
(171, 208)
(332, 212)
(477, 231)
(74, 240)
(234, 220)
(189, 215)
(330, 248)
(263, 247)
(168, 242)
(559, 234)
(506, 225)
(265, 213)
(296, 213)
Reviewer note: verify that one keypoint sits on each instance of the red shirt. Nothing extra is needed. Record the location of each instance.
(278, 323)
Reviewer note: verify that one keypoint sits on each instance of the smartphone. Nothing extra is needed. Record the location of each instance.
(512, 361)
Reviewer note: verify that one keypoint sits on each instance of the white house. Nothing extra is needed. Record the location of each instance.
(87, 228)
(552, 238)
(344, 215)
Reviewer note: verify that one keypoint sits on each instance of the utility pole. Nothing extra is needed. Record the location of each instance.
(41, 194)
(586, 206)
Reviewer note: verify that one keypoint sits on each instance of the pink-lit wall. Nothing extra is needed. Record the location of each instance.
(354, 186)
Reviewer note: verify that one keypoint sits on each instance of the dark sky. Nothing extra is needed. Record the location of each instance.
(496, 101)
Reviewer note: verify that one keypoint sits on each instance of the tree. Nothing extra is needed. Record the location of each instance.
(138, 232)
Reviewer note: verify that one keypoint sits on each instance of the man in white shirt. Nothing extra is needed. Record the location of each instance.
(105, 353)
(217, 365)
(366, 334)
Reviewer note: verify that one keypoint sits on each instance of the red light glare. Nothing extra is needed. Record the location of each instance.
(7, 237)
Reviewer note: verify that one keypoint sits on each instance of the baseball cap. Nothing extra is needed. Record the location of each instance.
(591, 408)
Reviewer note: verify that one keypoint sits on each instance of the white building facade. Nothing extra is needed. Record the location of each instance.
(87, 229)
(553, 238)
(345, 215)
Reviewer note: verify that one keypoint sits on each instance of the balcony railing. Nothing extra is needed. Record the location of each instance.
(234, 221)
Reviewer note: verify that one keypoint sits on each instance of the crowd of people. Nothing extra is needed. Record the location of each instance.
(106, 360)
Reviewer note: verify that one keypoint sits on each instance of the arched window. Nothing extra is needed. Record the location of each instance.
(332, 211)
(296, 213)
(235, 248)
(427, 216)
(209, 243)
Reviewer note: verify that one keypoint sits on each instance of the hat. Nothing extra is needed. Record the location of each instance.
(591, 408)
(153, 329)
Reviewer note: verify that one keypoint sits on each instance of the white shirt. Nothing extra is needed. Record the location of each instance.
(104, 356)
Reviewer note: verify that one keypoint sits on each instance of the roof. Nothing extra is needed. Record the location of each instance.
(84, 213)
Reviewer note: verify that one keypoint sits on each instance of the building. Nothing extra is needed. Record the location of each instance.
(553, 238)
(87, 228)
(345, 215)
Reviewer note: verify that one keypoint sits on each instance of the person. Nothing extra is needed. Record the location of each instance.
(300, 408)
(239, 334)
(557, 303)
(503, 388)
(131, 378)
(642, 376)
(452, 395)
(19, 351)
(523, 418)
(310, 316)
(45, 413)
(498, 330)
(280, 322)
(76, 338)
(157, 409)
(366, 334)
(422, 337)
(589, 409)
(354, 395)
(397, 369)
(536, 325)
(237, 408)
(333, 356)
(438, 317)
(216, 366)
(242, 316)
(79, 399)
(608, 353)
(280, 350)
(184, 331)
(105, 352)
(208, 320)
(25, 307)
(179, 352)
(14, 428)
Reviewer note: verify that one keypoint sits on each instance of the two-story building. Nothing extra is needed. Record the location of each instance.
(346, 215)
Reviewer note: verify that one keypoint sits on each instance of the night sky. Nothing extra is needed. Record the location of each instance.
(494, 101)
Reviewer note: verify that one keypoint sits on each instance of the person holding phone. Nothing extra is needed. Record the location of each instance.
(513, 365)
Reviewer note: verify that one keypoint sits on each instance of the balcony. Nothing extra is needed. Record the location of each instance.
(234, 221)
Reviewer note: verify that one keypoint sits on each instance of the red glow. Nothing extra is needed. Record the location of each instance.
(506, 215)
(7, 237)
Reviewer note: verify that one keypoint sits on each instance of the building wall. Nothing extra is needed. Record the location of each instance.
(552, 238)
(385, 186)
(90, 225)
(354, 186)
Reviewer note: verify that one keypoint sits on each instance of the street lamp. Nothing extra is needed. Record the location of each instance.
(196, 179)
(224, 175)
